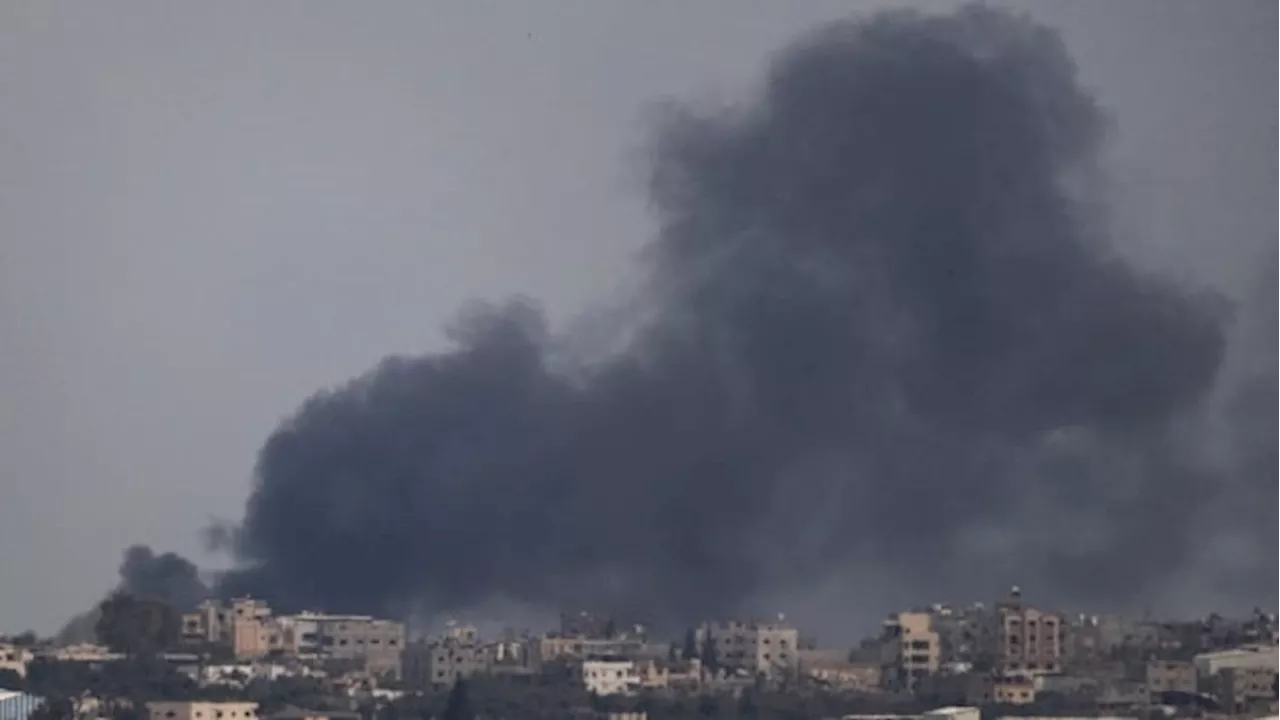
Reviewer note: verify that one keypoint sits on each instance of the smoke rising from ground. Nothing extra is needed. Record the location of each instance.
(885, 333)
(167, 577)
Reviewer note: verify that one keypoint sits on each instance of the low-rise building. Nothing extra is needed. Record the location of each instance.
(1208, 665)
(1013, 691)
(15, 658)
(18, 705)
(201, 710)
(610, 676)
(843, 675)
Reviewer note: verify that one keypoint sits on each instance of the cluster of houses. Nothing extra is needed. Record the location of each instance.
(1007, 653)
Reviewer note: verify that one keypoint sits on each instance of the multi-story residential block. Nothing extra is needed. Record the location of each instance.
(1090, 639)
(443, 661)
(910, 650)
(1029, 641)
(1166, 676)
(202, 710)
(1245, 689)
(244, 626)
(374, 644)
(769, 649)
(966, 635)
(248, 629)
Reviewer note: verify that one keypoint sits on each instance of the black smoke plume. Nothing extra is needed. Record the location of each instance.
(167, 577)
(886, 333)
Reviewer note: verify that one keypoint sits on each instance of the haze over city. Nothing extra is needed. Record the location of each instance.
(697, 308)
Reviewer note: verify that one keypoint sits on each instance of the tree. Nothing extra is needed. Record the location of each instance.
(458, 706)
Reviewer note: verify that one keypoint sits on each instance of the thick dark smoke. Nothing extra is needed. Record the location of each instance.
(886, 333)
(167, 577)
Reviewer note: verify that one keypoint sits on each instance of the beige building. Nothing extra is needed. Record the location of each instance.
(1028, 640)
(1208, 665)
(1013, 691)
(201, 710)
(14, 658)
(1245, 689)
(244, 626)
(911, 650)
(770, 649)
(248, 629)
(1164, 676)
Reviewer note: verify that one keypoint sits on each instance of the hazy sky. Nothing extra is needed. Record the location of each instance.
(209, 211)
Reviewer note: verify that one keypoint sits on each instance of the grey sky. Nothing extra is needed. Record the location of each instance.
(209, 211)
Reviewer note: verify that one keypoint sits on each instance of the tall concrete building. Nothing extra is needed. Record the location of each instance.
(1028, 640)
(770, 649)
(910, 649)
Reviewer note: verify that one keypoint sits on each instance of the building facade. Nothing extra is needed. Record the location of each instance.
(610, 677)
(1029, 640)
(201, 710)
(911, 650)
(769, 649)
(15, 658)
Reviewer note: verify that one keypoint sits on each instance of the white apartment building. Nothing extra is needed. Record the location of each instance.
(610, 677)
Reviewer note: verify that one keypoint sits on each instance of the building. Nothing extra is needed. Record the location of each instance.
(911, 650)
(1013, 691)
(843, 675)
(768, 649)
(375, 645)
(18, 705)
(1245, 689)
(1166, 676)
(1208, 665)
(14, 658)
(442, 662)
(1028, 640)
(553, 647)
(244, 626)
(610, 676)
(201, 710)
(966, 635)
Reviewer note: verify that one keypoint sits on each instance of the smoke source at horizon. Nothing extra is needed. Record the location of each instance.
(886, 332)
